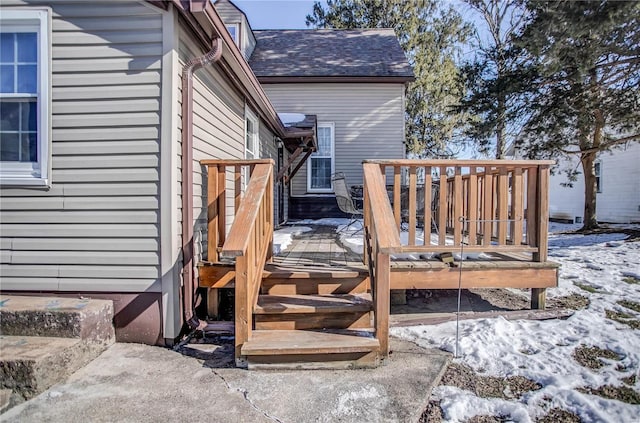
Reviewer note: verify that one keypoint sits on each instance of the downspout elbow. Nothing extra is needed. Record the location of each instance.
(188, 265)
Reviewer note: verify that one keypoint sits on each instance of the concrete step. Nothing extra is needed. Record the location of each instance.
(31, 364)
(57, 317)
(45, 339)
(300, 349)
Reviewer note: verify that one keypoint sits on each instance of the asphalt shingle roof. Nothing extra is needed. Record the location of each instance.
(329, 52)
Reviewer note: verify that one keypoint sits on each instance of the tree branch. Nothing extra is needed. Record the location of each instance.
(603, 146)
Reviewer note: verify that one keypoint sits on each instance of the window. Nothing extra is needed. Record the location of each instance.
(24, 97)
(251, 138)
(234, 30)
(321, 163)
(597, 170)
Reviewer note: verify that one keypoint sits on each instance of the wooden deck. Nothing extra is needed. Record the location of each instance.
(321, 295)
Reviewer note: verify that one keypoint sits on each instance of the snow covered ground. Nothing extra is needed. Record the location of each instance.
(603, 268)
(543, 350)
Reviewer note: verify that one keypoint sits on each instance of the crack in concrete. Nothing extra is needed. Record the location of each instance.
(245, 395)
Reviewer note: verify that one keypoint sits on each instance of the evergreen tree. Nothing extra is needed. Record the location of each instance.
(492, 97)
(431, 35)
(584, 98)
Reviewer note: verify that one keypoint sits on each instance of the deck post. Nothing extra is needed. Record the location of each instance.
(539, 295)
(538, 298)
(382, 301)
(212, 213)
(243, 313)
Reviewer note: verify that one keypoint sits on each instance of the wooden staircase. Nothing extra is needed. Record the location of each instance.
(310, 320)
(284, 318)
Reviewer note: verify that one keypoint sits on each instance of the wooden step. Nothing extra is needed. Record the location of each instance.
(315, 284)
(268, 342)
(297, 349)
(342, 311)
(304, 304)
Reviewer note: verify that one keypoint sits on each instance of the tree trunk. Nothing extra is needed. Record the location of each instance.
(590, 191)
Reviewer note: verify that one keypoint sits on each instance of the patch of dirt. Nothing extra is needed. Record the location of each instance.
(632, 233)
(590, 357)
(631, 280)
(631, 305)
(586, 287)
(432, 414)
(624, 318)
(620, 393)
(488, 419)
(572, 302)
(503, 298)
(558, 415)
(463, 377)
(629, 380)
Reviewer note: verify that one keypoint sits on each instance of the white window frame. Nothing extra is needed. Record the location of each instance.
(238, 35)
(332, 127)
(249, 154)
(38, 173)
(597, 171)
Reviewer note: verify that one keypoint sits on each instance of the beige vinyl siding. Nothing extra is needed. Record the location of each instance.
(218, 133)
(368, 119)
(231, 15)
(96, 228)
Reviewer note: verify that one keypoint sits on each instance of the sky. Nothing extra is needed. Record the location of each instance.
(276, 14)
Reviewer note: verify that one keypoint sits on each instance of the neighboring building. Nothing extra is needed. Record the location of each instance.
(618, 185)
(354, 82)
(91, 173)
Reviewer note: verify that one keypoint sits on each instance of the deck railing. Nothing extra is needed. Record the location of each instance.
(250, 238)
(381, 239)
(489, 205)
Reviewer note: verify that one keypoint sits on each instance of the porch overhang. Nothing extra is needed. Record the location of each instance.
(299, 139)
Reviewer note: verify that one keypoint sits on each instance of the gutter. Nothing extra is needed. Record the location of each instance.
(188, 273)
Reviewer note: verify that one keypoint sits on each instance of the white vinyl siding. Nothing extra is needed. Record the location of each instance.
(96, 228)
(618, 200)
(368, 119)
(24, 97)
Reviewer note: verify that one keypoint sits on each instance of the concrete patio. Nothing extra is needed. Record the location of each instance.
(140, 383)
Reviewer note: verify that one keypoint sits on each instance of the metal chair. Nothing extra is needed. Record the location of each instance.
(345, 201)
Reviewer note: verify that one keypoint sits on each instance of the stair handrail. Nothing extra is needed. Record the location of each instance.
(250, 237)
(381, 239)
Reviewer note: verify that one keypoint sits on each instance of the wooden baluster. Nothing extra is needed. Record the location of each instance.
(532, 218)
(473, 205)
(488, 206)
(457, 206)
(503, 205)
(212, 214)
(443, 207)
(237, 186)
(517, 206)
(270, 217)
(427, 205)
(222, 205)
(412, 205)
(397, 191)
(368, 232)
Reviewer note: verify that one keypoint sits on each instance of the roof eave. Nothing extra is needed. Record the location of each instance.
(205, 16)
(335, 79)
